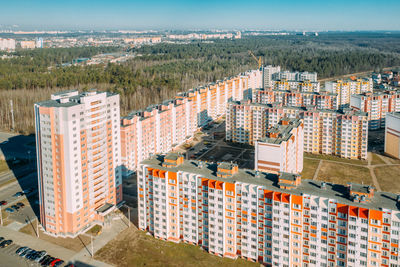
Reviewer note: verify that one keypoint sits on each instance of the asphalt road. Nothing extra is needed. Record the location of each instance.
(19, 171)
(10, 259)
(17, 146)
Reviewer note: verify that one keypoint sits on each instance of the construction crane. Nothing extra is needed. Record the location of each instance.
(259, 61)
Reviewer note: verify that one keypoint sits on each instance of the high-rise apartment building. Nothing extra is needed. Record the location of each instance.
(392, 134)
(79, 159)
(322, 100)
(282, 148)
(277, 220)
(343, 133)
(160, 128)
(7, 44)
(376, 105)
(269, 73)
(296, 76)
(344, 89)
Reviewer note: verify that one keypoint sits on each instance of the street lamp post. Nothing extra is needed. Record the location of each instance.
(37, 228)
(91, 242)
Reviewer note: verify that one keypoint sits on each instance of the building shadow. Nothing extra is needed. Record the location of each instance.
(19, 152)
(80, 264)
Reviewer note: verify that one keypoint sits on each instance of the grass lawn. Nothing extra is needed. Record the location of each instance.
(342, 174)
(335, 158)
(133, 247)
(309, 168)
(388, 178)
(75, 244)
(376, 160)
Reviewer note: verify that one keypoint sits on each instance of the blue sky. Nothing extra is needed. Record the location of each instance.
(202, 14)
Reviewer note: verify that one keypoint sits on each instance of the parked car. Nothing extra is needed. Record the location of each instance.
(25, 252)
(10, 210)
(20, 250)
(1, 238)
(3, 203)
(48, 261)
(27, 191)
(15, 207)
(5, 243)
(18, 194)
(20, 204)
(58, 263)
(30, 253)
(45, 258)
(41, 255)
(54, 262)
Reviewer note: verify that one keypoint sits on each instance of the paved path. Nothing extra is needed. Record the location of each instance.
(317, 170)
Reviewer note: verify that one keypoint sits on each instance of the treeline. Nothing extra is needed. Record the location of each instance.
(158, 72)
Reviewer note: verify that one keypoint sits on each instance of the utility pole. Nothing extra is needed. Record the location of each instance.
(12, 115)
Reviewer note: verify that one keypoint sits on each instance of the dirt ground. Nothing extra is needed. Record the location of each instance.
(133, 247)
(388, 178)
(309, 168)
(75, 244)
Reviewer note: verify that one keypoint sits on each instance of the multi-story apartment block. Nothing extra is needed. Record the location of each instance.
(159, 128)
(7, 44)
(28, 44)
(78, 160)
(282, 148)
(277, 220)
(299, 86)
(376, 105)
(269, 73)
(322, 100)
(343, 133)
(296, 76)
(344, 89)
(392, 134)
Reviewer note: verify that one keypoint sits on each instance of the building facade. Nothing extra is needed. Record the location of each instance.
(297, 76)
(269, 74)
(7, 44)
(343, 133)
(282, 148)
(79, 159)
(322, 100)
(277, 220)
(160, 128)
(298, 86)
(376, 105)
(344, 89)
(392, 134)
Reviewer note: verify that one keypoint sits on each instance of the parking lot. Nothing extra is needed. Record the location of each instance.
(9, 257)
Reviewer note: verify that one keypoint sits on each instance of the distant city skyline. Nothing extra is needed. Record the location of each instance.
(309, 15)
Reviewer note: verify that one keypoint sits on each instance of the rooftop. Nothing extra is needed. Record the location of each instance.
(68, 98)
(282, 131)
(381, 200)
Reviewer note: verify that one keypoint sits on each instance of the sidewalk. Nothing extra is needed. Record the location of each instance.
(108, 234)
